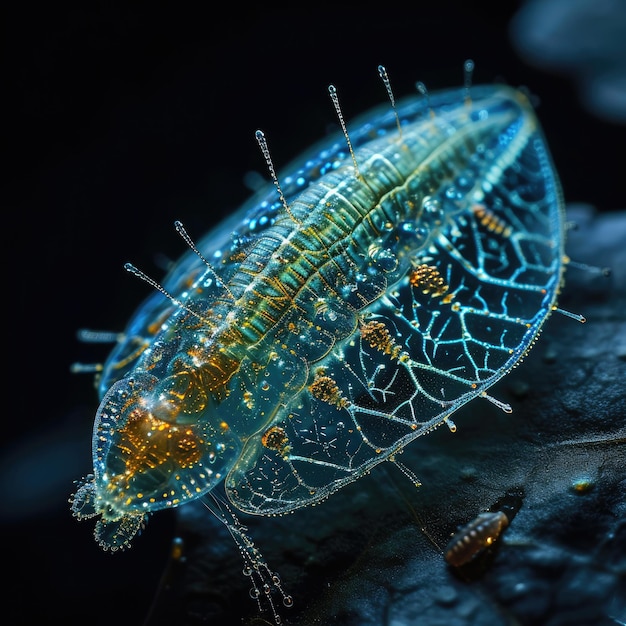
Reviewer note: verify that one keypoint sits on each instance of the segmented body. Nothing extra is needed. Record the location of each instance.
(325, 336)
(471, 547)
(478, 535)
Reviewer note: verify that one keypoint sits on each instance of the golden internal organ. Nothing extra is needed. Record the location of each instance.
(275, 438)
(325, 388)
(429, 281)
(377, 336)
(146, 442)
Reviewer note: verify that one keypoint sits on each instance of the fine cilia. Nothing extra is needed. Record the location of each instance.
(388, 277)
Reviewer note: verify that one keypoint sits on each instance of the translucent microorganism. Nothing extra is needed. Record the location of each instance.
(391, 275)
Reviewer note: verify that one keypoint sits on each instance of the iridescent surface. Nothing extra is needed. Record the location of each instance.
(324, 338)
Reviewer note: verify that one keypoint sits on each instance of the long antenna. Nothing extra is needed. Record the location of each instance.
(468, 71)
(129, 267)
(421, 87)
(575, 316)
(332, 90)
(382, 70)
(260, 137)
(183, 233)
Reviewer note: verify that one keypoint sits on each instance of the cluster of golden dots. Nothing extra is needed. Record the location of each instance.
(377, 336)
(325, 388)
(430, 282)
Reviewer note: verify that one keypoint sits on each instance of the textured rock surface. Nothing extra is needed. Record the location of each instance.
(373, 553)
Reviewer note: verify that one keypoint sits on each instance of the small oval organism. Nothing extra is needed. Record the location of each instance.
(481, 533)
(474, 541)
(391, 275)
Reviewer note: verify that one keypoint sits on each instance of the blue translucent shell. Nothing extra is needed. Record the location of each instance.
(325, 337)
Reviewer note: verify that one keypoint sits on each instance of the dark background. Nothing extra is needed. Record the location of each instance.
(122, 119)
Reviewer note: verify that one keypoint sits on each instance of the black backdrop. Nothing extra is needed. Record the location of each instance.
(123, 118)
